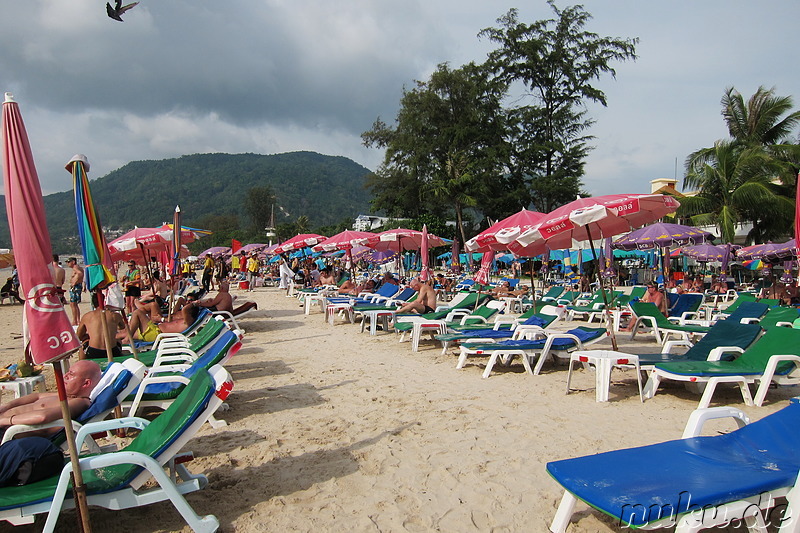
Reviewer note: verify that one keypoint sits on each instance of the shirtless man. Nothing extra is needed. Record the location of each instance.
(42, 408)
(655, 296)
(91, 329)
(425, 302)
(148, 330)
(325, 278)
(223, 301)
(75, 289)
(59, 276)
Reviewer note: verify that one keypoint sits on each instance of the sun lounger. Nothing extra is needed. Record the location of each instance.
(775, 317)
(118, 381)
(774, 357)
(464, 302)
(693, 483)
(164, 383)
(597, 304)
(530, 344)
(647, 314)
(116, 480)
(500, 330)
(723, 342)
(552, 294)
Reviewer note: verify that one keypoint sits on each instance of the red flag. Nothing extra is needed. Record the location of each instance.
(235, 246)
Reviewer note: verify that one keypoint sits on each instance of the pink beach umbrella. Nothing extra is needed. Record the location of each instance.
(345, 240)
(500, 234)
(303, 240)
(425, 273)
(485, 270)
(400, 239)
(49, 337)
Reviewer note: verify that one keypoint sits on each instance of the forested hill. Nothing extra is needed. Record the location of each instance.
(326, 189)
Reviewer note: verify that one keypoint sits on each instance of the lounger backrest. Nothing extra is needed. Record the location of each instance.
(724, 333)
(554, 292)
(742, 297)
(775, 341)
(683, 303)
(779, 314)
(158, 435)
(748, 310)
(649, 309)
(388, 290)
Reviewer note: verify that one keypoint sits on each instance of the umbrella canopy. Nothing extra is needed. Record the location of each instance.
(400, 239)
(345, 240)
(704, 252)
(482, 276)
(215, 251)
(661, 235)
(769, 252)
(370, 255)
(187, 234)
(90, 231)
(49, 334)
(297, 242)
(592, 218)
(155, 239)
(499, 234)
(252, 247)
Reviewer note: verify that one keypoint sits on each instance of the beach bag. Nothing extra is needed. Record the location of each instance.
(28, 460)
(114, 297)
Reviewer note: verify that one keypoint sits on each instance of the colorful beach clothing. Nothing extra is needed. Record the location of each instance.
(151, 332)
(75, 294)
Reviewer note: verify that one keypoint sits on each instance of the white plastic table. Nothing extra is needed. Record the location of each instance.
(333, 308)
(376, 315)
(604, 361)
(24, 386)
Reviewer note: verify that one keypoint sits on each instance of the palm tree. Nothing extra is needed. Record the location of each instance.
(751, 177)
(735, 185)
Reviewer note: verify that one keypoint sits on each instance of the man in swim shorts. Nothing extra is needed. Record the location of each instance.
(425, 301)
(147, 330)
(75, 289)
(90, 330)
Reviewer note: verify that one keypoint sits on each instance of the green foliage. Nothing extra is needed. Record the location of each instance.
(436, 226)
(557, 61)
(322, 188)
(258, 204)
(750, 177)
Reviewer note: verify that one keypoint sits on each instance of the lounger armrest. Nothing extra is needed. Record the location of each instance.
(16, 429)
(717, 353)
(471, 318)
(599, 306)
(529, 327)
(750, 320)
(698, 418)
(499, 320)
(174, 358)
(175, 368)
(456, 314)
(784, 324)
(86, 431)
(669, 345)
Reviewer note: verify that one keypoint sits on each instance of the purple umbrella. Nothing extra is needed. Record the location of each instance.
(661, 235)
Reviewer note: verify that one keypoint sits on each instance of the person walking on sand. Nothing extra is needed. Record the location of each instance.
(75, 289)
(132, 284)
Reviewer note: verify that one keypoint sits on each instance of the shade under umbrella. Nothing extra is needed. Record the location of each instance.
(49, 337)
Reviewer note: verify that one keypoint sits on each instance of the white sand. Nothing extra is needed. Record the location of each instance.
(330, 429)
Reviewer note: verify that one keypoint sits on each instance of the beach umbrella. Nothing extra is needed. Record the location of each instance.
(482, 276)
(425, 271)
(497, 236)
(455, 263)
(585, 219)
(187, 234)
(297, 242)
(661, 235)
(704, 252)
(216, 251)
(344, 240)
(400, 240)
(49, 337)
(365, 253)
(96, 258)
(250, 248)
(175, 265)
(775, 253)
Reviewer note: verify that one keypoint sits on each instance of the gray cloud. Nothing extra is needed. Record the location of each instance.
(185, 76)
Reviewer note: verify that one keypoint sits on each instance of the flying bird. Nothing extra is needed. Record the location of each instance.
(118, 9)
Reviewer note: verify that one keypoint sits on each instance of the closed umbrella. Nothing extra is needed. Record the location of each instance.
(425, 271)
(49, 337)
(175, 250)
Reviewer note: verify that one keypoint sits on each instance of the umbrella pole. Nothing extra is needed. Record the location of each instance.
(108, 340)
(609, 320)
(533, 287)
(79, 489)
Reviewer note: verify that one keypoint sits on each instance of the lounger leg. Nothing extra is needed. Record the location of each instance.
(711, 386)
(651, 386)
(490, 364)
(462, 359)
(564, 513)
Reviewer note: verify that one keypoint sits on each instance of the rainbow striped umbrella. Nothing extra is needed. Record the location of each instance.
(753, 264)
(90, 231)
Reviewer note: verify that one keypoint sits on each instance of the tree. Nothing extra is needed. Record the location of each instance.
(750, 177)
(557, 62)
(258, 202)
(443, 152)
(736, 184)
(303, 224)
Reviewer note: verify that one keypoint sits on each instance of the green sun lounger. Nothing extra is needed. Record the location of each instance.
(772, 358)
(405, 323)
(116, 480)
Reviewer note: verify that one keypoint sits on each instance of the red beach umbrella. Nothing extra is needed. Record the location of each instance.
(425, 273)
(399, 240)
(482, 276)
(500, 234)
(49, 337)
(303, 240)
(345, 240)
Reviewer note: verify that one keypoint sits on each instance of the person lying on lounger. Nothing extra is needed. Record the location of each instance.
(42, 408)
(145, 329)
(223, 301)
(90, 331)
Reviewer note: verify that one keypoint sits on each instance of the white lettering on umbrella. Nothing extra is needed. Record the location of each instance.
(43, 298)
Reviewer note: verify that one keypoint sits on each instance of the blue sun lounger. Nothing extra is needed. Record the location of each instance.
(693, 483)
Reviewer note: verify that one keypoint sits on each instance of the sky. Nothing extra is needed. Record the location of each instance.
(270, 76)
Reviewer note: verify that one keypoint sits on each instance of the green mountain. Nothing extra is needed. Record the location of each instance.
(326, 189)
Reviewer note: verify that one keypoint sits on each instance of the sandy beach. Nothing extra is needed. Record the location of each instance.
(330, 429)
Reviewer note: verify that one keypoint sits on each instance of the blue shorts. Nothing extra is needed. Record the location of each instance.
(75, 294)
